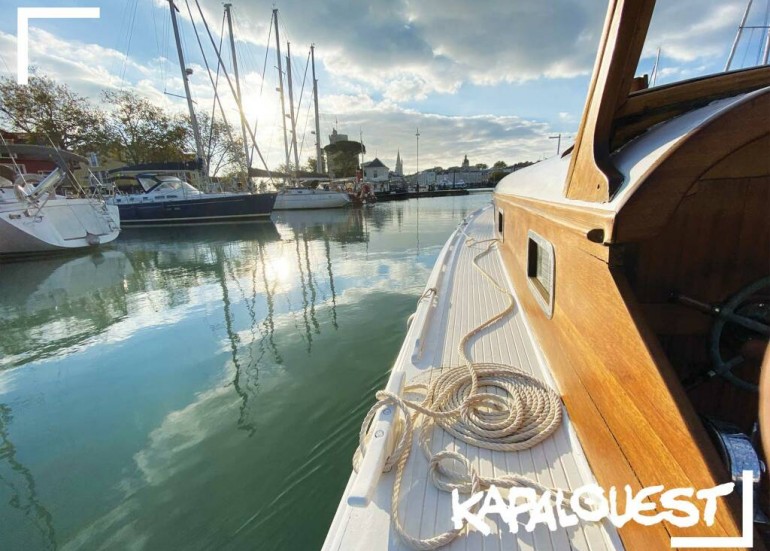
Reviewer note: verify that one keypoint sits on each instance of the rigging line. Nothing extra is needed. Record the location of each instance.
(155, 30)
(746, 50)
(7, 67)
(262, 79)
(166, 47)
(304, 79)
(264, 72)
(216, 84)
(267, 51)
(128, 46)
(208, 71)
(304, 130)
(118, 36)
(232, 88)
(302, 90)
(761, 48)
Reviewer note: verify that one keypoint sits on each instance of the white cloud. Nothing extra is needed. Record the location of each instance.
(381, 55)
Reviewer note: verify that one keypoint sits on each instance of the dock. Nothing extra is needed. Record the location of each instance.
(422, 194)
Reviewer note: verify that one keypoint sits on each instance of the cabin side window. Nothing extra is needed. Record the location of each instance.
(540, 270)
(500, 225)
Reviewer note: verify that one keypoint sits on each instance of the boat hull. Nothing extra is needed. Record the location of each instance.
(226, 208)
(61, 224)
(306, 199)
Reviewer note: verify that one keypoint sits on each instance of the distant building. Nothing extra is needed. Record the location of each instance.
(28, 165)
(375, 171)
(342, 155)
(466, 164)
(399, 165)
(335, 137)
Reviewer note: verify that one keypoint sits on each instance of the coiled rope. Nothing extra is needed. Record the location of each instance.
(522, 413)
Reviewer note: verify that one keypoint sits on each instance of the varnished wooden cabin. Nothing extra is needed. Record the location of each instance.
(625, 253)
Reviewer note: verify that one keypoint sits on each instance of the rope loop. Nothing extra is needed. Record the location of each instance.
(488, 405)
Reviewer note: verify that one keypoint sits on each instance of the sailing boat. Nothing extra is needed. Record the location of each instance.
(35, 219)
(598, 330)
(297, 197)
(165, 198)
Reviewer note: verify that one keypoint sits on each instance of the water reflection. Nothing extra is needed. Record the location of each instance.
(201, 387)
(21, 485)
(51, 305)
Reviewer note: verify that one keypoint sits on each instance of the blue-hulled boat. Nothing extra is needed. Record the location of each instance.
(162, 197)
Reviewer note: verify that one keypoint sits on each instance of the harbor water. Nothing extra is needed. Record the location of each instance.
(203, 388)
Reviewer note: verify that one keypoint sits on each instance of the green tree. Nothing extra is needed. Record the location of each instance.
(522, 164)
(482, 166)
(222, 146)
(500, 164)
(142, 132)
(496, 176)
(52, 114)
(311, 164)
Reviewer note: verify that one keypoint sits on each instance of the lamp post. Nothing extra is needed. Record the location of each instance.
(418, 159)
(558, 143)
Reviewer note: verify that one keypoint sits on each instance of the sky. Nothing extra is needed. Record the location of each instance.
(493, 80)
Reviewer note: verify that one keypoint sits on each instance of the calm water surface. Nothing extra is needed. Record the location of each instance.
(202, 388)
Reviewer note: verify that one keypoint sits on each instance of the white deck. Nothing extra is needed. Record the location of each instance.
(464, 300)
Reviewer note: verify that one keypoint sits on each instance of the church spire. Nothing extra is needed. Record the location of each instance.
(399, 164)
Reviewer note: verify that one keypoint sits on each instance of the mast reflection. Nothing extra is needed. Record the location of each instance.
(22, 486)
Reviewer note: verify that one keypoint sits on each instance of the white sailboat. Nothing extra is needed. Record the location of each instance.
(34, 219)
(299, 198)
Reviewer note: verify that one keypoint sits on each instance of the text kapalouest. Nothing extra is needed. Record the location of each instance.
(589, 504)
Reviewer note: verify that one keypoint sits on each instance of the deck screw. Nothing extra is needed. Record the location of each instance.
(379, 434)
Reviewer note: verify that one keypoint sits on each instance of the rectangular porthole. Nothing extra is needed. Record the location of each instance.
(540, 270)
(500, 224)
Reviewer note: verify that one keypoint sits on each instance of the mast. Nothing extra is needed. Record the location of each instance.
(361, 140)
(418, 159)
(185, 74)
(318, 162)
(738, 36)
(291, 110)
(238, 98)
(766, 53)
(280, 86)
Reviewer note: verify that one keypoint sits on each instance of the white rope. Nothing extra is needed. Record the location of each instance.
(522, 412)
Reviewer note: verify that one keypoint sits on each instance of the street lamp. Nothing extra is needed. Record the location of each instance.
(418, 159)
(558, 143)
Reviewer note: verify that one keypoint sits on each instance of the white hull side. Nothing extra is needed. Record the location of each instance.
(62, 224)
(311, 199)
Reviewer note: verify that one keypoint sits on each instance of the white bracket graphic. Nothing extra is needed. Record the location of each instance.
(745, 540)
(23, 16)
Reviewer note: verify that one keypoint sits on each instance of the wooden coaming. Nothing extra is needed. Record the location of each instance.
(648, 107)
(649, 209)
(630, 412)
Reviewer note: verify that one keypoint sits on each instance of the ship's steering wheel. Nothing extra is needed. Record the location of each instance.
(753, 316)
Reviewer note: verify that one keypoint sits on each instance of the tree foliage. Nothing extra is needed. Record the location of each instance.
(222, 146)
(52, 114)
(496, 176)
(500, 164)
(142, 132)
(482, 166)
